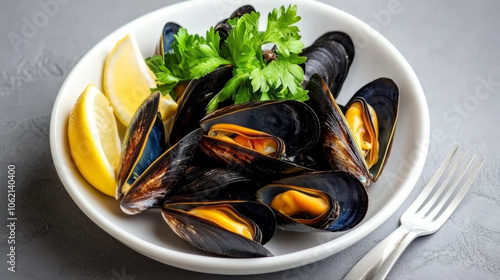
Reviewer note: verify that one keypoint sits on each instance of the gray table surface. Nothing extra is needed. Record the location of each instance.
(451, 45)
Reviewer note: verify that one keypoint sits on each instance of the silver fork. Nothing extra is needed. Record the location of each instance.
(425, 216)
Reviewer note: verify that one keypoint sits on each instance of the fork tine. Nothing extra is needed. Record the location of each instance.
(427, 190)
(424, 209)
(460, 194)
(379, 261)
(450, 191)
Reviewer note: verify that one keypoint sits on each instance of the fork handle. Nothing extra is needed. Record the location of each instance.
(379, 261)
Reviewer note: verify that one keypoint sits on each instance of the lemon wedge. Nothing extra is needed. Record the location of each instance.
(168, 108)
(94, 141)
(126, 79)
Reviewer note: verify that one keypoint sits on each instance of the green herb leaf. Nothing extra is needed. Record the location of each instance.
(166, 89)
(259, 81)
(179, 61)
(165, 79)
(253, 77)
(243, 41)
(281, 74)
(244, 93)
(281, 31)
(155, 63)
(205, 55)
(232, 87)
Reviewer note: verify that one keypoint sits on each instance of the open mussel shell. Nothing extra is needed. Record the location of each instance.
(167, 38)
(383, 96)
(289, 203)
(150, 189)
(210, 184)
(143, 143)
(252, 163)
(347, 197)
(337, 141)
(292, 121)
(194, 101)
(330, 58)
(206, 233)
(260, 141)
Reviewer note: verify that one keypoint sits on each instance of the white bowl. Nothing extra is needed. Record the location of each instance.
(148, 234)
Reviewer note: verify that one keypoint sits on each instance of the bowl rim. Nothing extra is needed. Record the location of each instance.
(210, 264)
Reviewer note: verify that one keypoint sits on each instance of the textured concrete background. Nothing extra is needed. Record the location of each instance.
(451, 45)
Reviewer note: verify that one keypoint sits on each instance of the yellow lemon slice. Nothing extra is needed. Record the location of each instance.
(168, 108)
(94, 141)
(126, 79)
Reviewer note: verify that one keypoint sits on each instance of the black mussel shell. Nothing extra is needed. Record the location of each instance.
(342, 187)
(330, 60)
(288, 223)
(336, 142)
(292, 121)
(208, 236)
(223, 29)
(210, 184)
(254, 164)
(194, 101)
(312, 159)
(167, 38)
(383, 96)
(143, 143)
(150, 189)
(341, 38)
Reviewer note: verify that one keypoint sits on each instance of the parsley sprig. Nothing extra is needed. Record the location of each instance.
(254, 78)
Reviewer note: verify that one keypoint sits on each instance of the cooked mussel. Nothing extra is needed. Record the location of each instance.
(328, 200)
(330, 56)
(167, 38)
(151, 188)
(228, 228)
(194, 100)
(258, 141)
(292, 121)
(143, 143)
(363, 122)
(248, 161)
(358, 142)
(309, 207)
(382, 95)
